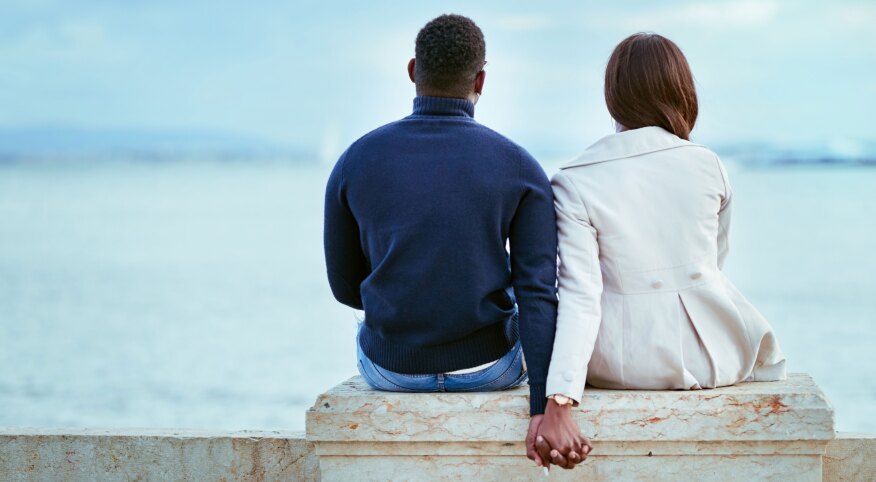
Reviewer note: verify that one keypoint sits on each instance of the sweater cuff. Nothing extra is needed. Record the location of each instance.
(537, 400)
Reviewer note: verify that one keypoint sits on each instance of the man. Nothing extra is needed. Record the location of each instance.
(417, 216)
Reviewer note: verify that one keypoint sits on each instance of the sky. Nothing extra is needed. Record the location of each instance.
(315, 76)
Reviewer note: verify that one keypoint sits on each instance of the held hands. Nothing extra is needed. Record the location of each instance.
(554, 438)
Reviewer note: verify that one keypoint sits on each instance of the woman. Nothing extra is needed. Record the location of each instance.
(643, 218)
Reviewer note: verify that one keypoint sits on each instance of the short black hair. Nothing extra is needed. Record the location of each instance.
(450, 51)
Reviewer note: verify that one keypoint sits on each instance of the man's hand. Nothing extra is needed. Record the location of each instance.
(558, 439)
(531, 451)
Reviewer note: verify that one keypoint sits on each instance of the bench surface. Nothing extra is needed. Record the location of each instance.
(788, 410)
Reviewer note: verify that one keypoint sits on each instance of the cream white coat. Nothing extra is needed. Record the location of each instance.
(643, 218)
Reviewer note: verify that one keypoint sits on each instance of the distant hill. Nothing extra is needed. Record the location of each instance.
(44, 142)
(87, 144)
(844, 153)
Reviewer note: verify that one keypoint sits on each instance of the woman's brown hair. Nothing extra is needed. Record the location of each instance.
(649, 83)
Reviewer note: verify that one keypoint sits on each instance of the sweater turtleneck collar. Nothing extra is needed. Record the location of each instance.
(449, 106)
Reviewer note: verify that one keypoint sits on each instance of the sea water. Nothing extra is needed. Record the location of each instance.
(193, 294)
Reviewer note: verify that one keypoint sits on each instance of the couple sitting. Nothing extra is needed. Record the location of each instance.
(419, 215)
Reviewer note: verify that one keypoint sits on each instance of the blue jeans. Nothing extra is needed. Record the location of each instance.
(506, 373)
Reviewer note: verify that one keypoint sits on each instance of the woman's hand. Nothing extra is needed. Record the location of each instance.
(558, 438)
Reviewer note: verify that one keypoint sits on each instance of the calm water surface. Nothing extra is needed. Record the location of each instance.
(193, 294)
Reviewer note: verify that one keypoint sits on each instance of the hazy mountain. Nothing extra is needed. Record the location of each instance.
(841, 153)
(44, 142)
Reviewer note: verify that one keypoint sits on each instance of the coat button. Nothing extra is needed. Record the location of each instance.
(657, 284)
(696, 275)
(568, 376)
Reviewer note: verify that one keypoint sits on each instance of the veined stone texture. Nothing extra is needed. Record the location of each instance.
(771, 411)
(706, 468)
(851, 458)
(756, 431)
(154, 455)
(775, 431)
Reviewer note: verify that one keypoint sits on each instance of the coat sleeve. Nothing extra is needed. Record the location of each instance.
(346, 264)
(724, 217)
(579, 313)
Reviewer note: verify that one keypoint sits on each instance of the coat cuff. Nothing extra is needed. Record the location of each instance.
(537, 399)
(569, 383)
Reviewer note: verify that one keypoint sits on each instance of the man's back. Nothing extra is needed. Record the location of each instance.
(417, 217)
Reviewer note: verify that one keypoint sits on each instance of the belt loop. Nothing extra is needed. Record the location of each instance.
(441, 383)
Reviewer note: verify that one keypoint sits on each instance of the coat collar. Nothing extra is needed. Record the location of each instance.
(628, 144)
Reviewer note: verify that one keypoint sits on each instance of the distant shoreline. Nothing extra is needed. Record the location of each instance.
(163, 156)
(272, 156)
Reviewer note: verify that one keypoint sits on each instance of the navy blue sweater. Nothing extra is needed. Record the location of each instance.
(417, 216)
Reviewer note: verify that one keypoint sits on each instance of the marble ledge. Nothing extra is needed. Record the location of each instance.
(86, 455)
(791, 410)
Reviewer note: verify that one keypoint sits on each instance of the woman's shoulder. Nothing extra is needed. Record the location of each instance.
(640, 142)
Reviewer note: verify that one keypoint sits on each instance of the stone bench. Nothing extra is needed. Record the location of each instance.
(752, 431)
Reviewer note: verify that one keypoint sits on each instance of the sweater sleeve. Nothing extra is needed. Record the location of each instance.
(533, 240)
(345, 262)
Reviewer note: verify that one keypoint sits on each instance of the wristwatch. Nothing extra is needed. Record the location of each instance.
(561, 399)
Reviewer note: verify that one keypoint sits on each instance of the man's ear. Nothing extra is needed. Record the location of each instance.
(411, 69)
(479, 81)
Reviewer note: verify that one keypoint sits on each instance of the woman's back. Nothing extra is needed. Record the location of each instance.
(643, 222)
(654, 200)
